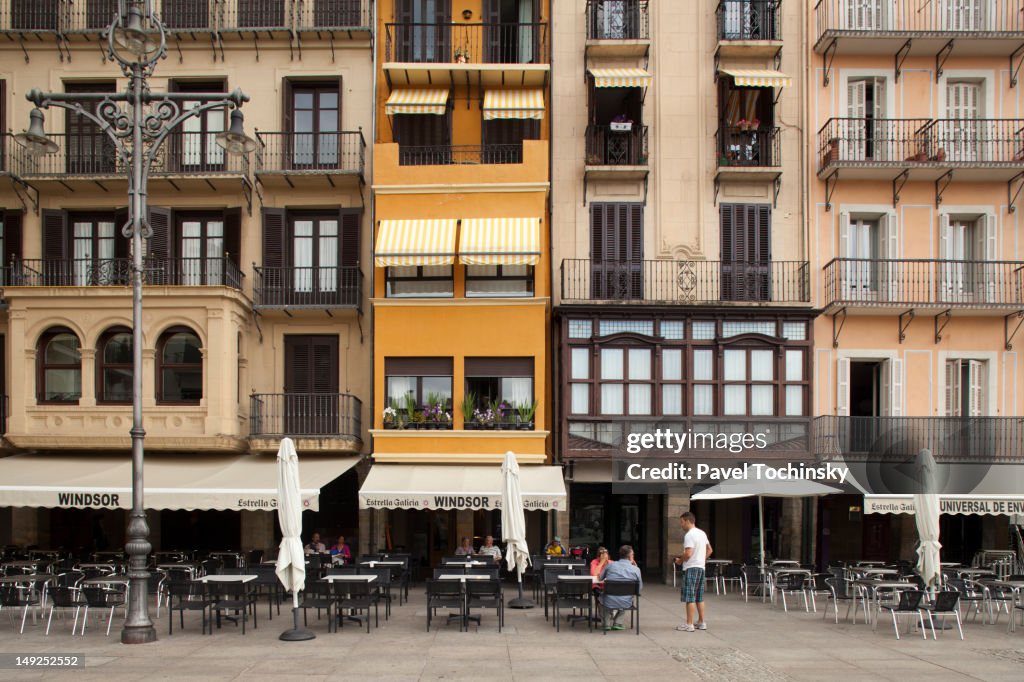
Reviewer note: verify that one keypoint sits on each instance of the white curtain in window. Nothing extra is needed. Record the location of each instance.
(639, 364)
(580, 363)
(639, 398)
(761, 365)
(328, 255)
(794, 401)
(703, 365)
(611, 363)
(517, 390)
(83, 253)
(794, 365)
(191, 243)
(762, 400)
(399, 387)
(214, 252)
(735, 365)
(302, 248)
(672, 364)
(525, 31)
(580, 398)
(735, 400)
(672, 399)
(611, 399)
(703, 404)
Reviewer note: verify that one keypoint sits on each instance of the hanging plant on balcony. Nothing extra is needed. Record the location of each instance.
(461, 55)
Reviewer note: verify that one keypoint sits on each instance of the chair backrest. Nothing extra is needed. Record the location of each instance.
(383, 573)
(572, 588)
(454, 570)
(255, 557)
(230, 590)
(821, 581)
(343, 570)
(454, 559)
(551, 574)
(232, 570)
(910, 600)
(70, 578)
(481, 588)
(353, 589)
(443, 588)
(483, 570)
(621, 588)
(946, 601)
(752, 574)
(791, 581)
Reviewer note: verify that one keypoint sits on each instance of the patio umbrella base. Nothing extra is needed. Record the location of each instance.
(521, 603)
(297, 634)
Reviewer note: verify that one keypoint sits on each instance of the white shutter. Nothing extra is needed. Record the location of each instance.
(988, 225)
(976, 397)
(890, 235)
(985, 274)
(952, 388)
(946, 270)
(895, 387)
(843, 387)
(856, 109)
(846, 250)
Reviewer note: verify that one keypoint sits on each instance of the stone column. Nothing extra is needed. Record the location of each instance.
(791, 531)
(88, 398)
(676, 502)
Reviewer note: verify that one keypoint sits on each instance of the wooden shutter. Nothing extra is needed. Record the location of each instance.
(287, 106)
(443, 17)
(12, 238)
(123, 244)
(976, 398)
(3, 124)
(275, 237)
(843, 387)
(233, 235)
(55, 235)
(634, 252)
(599, 230)
(311, 364)
(350, 220)
(727, 229)
(492, 31)
(890, 235)
(403, 40)
(160, 243)
(952, 388)
(895, 381)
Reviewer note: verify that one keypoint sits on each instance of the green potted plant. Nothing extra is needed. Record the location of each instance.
(468, 408)
(526, 411)
(461, 55)
(409, 409)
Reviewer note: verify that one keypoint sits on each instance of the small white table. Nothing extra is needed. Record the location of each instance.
(227, 579)
(578, 578)
(349, 578)
(461, 577)
(374, 564)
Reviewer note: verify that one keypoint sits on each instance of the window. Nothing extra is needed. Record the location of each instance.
(967, 241)
(10, 240)
(88, 150)
(420, 281)
(626, 381)
(311, 370)
(310, 257)
(868, 135)
(966, 394)
(83, 249)
(418, 379)
(616, 19)
(202, 250)
(262, 14)
(60, 367)
(35, 15)
(315, 115)
(423, 139)
(114, 367)
(179, 367)
(616, 251)
(494, 381)
(194, 147)
(746, 252)
(422, 33)
(499, 280)
(964, 139)
(503, 139)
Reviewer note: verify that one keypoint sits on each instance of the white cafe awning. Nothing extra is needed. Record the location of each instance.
(995, 505)
(438, 486)
(231, 482)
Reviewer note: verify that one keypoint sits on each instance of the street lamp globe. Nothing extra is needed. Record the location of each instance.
(234, 140)
(35, 139)
(132, 36)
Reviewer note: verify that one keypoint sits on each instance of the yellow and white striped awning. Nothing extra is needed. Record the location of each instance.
(500, 241)
(758, 78)
(500, 104)
(417, 101)
(620, 78)
(415, 242)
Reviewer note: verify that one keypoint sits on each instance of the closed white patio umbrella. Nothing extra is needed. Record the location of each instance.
(291, 560)
(926, 517)
(513, 526)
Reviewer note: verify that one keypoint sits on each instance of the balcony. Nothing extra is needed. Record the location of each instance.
(749, 153)
(117, 272)
(685, 282)
(484, 54)
(977, 440)
(317, 421)
(447, 165)
(318, 288)
(618, 29)
(457, 155)
(787, 438)
(321, 159)
(749, 28)
(926, 284)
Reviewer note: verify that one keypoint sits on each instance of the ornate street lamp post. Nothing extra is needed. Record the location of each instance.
(138, 122)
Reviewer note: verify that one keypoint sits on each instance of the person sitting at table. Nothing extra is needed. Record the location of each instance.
(490, 549)
(625, 569)
(596, 566)
(342, 549)
(466, 548)
(315, 545)
(555, 547)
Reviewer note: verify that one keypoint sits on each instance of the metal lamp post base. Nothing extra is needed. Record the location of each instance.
(296, 634)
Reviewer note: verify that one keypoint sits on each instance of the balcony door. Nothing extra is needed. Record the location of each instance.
(746, 252)
(311, 404)
(202, 250)
(966, 243)
(616, 251)
(423, 139)
(616, 20)
(748, 20)
(184, 14)
(423, 32)
(89, 150)
(964, 139)
(84, 249)
(965, 15)
(865, 107)
(511, 35)
(315, 114)
(99, 13)
(865, 15)
(195, 147)
(315, 248)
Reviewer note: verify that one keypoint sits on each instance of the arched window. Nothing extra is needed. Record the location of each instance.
(114, 367)
(59, 361)
(179, 367)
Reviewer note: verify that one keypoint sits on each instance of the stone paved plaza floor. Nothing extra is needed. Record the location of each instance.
(745, 642)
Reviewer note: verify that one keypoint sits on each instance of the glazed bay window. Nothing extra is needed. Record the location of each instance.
(411, 385)
(420, 281)
(499, 392)
(499, 280)
(114, 367)
(748, 388)
(626, 381)
(59, 362)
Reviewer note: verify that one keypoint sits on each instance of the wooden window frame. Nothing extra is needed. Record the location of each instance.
(102, 366)
(529, 278)
(161, 365)
(390, 278)
(42, 366)
(419, 368)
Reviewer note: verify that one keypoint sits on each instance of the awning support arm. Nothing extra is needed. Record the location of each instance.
(941, 57)
(1016, 59)
(830, 188)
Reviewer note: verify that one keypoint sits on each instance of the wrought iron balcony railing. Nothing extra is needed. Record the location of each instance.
(749, 19)
(950, 439)
(340, 152)
(450, 43)
(608, 147)
(307, 287)
(920, 141)
(99, 272)
(748, 147)
(953, 19)
(462, 154)
(337, 415)
(657, 281)
(618, 20)
(917, 282)
(602, 436)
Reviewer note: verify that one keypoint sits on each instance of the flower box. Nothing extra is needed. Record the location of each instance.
(621, 127)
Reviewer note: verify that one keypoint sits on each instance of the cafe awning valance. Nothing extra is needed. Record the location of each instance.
(504, 104)
(231, 482)
(994, 505)
(758, 78)
(620, 78)
(415, 242)
(500, 241)
(417, 101)
(438, 486)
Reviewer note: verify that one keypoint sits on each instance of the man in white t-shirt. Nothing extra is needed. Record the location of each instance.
(696, 550)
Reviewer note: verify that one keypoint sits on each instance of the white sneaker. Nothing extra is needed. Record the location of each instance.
(701, 626)
(684, 628)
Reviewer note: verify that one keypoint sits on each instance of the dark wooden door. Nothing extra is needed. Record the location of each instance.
(616, 251)
(423, 31)
(746, 252)
(88, 150)
(311, 404)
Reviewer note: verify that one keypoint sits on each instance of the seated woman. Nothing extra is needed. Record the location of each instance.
(465, 548)
(341, 549)
(596, 566)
